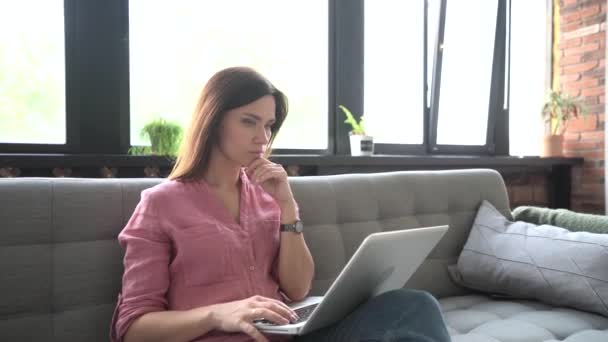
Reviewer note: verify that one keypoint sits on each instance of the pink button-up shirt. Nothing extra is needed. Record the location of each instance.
(184, 250)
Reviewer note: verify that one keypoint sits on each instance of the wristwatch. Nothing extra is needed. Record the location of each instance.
(296, 227)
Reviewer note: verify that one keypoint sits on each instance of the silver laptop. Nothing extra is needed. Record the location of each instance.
(383, 262)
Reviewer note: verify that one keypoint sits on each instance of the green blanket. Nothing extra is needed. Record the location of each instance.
(562, 218)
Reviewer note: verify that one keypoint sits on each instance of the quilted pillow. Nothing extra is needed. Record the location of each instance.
(546, 263)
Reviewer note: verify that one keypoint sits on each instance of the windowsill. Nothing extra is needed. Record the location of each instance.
(87, 160)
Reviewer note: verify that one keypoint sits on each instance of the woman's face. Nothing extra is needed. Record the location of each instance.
(245, 131)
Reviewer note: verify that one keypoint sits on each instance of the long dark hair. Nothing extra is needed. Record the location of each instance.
(227, 89)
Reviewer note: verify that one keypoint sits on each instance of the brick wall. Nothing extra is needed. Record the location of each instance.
(580, 71)
(527, 188)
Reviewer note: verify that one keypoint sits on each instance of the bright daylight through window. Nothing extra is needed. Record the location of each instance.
(468, 50)
(175, 47)
(393, 107)
(32, 72)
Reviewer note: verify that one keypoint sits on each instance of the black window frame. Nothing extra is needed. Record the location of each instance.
(97, 83)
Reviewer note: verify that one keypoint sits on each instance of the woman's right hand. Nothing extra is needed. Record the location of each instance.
(238, 316)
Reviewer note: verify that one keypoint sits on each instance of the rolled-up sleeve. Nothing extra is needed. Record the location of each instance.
(146, 268)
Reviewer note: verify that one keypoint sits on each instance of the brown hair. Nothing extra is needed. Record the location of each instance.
(227, 89)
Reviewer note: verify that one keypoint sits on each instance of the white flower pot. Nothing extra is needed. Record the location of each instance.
(361, 145)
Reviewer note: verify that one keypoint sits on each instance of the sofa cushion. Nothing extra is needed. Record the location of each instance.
(523, 260)
(478, 318)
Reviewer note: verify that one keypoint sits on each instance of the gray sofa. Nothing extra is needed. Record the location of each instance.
(61, 265)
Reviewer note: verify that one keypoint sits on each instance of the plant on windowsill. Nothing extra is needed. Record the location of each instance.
(558, 109)
(164, 136)
(361, 144)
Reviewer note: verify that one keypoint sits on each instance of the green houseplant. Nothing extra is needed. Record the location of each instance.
(361, 144)
(164, 136)
(559, 108)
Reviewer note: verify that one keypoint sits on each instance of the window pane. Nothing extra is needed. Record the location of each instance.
(175, 47)
(394, 33)
(529, 39)
(431, 28)
(468, 49)
(32, 72)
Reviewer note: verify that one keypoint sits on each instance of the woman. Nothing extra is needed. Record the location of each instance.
(209, 251)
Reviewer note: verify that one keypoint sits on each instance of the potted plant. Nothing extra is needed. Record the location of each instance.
(557, 110)
(164, 136)
(361, 144)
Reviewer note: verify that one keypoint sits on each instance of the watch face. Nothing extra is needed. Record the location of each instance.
(299, 226)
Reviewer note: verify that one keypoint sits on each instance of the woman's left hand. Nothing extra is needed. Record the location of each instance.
(273, 179)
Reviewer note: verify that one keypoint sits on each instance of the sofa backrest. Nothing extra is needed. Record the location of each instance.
(340, 211)
(61, 265)
(60, 261)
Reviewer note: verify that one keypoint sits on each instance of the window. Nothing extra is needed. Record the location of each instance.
(394, 71)
(32, 72)
(175, 48)
(85, 77)
(530, 58)
(466, 73)
(431, 27)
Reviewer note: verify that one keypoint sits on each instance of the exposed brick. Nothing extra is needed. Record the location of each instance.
(584, 83)
(597, 72)
(592, 136)
(572, 136)
(572, 27)
(594, 55)
(589, 200)
(583, 25)
(591, 100)
(566, 3)
(595, 37)
(584, 31)
(594, 19)
(590, 10)
(581, 67)
(588, 196)
(564, 44)
(580, 145)
(566, 18)
(523, 194)
(585, 208)
(597, 155)
(568, 6)
(593, 172)
(540, 194)
(595, 179)
(572, 153)
(593, 163)
(595, 91)
(590, 189)
(596, 109)
(579, 50)
(571, 77)
(569, 60)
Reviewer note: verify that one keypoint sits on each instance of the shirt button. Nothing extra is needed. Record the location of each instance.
(251, 268)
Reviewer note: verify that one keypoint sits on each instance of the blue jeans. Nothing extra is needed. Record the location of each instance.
(401, 315)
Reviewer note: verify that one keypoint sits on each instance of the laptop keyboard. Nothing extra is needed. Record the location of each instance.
(303, 312)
